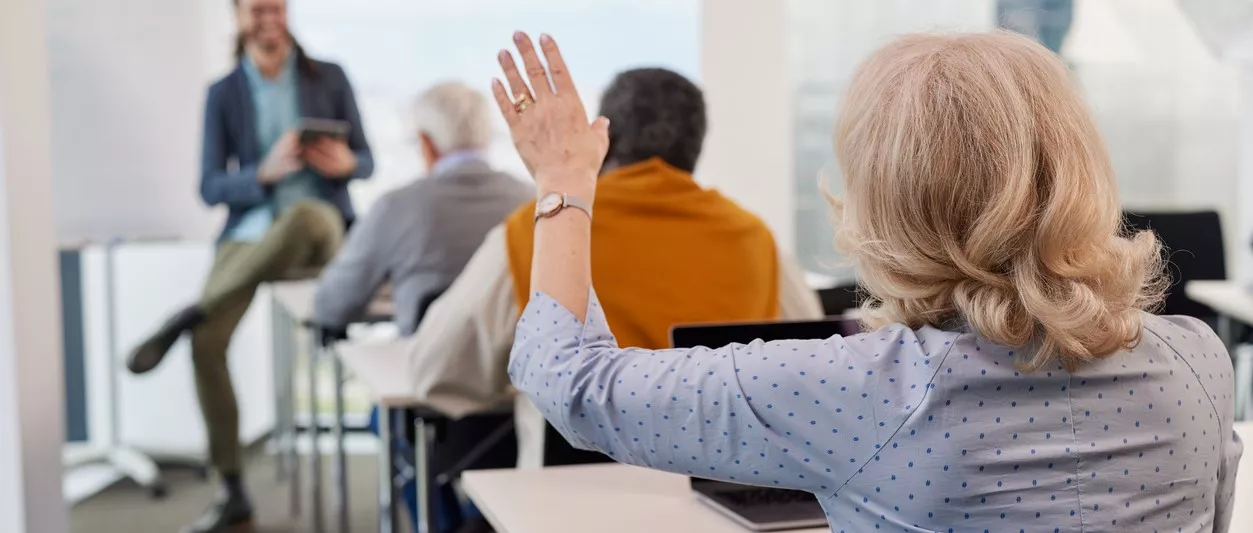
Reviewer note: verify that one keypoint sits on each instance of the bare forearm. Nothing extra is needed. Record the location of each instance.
(561, 267)
(564, 152)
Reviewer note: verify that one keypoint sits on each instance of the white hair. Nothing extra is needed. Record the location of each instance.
(454, 116)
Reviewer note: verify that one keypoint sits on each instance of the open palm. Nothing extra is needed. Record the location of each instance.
(548, 123)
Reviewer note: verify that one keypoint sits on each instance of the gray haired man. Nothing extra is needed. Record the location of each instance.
(420, 236)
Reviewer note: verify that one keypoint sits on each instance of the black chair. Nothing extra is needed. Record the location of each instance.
(840, 299)
(1193, 247)
(475, 442)
(559, 452)
(424, 304)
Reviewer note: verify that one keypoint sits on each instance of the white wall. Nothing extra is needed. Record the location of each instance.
(128, 86)
(1244, 183)
(748, 90)
(31, 381)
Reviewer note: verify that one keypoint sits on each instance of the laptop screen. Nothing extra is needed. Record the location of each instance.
(717, 335)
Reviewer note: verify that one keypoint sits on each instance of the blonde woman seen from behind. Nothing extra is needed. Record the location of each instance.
(1011, 378)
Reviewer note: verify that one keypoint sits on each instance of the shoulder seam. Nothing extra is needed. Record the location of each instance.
(926, 390)
(1074, 441)
(1195, 375)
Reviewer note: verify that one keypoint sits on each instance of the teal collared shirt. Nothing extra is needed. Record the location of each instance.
(277, 105)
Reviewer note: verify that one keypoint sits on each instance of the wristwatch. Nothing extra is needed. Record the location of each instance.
(554, 202)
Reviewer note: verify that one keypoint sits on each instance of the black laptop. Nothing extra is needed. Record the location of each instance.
(760, 508)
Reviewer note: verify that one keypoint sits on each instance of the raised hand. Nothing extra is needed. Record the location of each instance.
(547, 121)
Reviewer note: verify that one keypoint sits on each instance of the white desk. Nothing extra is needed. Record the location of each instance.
(382, 369)
(614, 498)
(1231, 299)
(608, 498)
(296, 298)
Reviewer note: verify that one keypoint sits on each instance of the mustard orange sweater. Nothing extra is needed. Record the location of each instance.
(664, 252)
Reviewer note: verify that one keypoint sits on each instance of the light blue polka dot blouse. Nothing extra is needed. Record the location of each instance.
(909, 430)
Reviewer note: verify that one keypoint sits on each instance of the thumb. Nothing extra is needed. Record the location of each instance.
(601, 127)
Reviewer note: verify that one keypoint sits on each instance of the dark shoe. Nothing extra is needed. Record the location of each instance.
(231, 513)
(149, 354)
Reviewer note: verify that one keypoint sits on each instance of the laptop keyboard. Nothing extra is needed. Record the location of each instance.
(765, 496)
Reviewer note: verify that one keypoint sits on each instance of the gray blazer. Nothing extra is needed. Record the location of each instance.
(419, 237)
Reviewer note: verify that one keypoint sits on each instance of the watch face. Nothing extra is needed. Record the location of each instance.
(549, 204)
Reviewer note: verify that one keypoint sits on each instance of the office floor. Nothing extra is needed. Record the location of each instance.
(126, 508)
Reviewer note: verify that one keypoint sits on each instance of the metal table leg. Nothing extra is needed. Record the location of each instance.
(387, 511)
(315, 454)
(280, 424)
(289, 412)
(424, 442)
(341, 456)
(1227, 332)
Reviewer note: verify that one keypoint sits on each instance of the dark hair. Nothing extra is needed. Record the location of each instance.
(305, 65)
(654, 112)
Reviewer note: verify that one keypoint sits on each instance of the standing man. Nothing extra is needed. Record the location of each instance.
(288, 206)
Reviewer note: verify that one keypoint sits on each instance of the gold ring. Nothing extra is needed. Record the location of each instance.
(523, 103)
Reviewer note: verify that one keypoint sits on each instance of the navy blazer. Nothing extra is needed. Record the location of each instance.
(231, 155)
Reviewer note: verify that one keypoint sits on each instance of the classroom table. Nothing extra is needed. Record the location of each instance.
(1232, 300)
(615, 498)
(605, 498)
(381, 369)
(294, 302)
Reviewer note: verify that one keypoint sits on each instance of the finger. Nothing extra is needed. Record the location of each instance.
(314, 151)
(504, 103)
(557, 66)
(535, 70)
(517, 87)
(325, 146)
(289, 140)
(310, 154)
(600, 127)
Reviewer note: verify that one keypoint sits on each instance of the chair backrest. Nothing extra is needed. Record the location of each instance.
(840, 299)
(1193, 247)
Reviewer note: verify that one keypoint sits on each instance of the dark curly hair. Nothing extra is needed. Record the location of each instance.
(654, 112)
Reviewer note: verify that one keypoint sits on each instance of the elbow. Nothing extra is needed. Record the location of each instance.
(331, 309)
(326, 313)
(209, 195)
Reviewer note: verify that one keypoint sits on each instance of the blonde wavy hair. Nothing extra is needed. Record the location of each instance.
(978, 191)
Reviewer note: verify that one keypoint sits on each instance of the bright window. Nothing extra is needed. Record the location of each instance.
(393, 49)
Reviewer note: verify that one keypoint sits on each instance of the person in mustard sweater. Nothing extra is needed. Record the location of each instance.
(721, 262)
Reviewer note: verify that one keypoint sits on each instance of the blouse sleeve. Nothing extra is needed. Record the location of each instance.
(793, 414)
